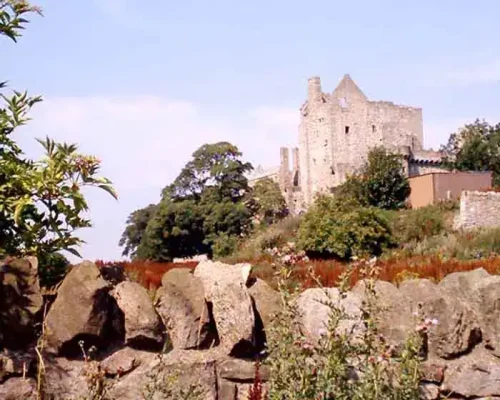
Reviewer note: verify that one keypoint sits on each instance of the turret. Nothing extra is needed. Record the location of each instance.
(314, 89)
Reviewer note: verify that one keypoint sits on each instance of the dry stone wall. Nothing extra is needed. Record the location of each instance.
(478, 210)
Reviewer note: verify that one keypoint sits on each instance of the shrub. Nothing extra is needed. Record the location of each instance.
(381, 182)
(340, 365)
(224, 245)
(418, 224)
(330, 229)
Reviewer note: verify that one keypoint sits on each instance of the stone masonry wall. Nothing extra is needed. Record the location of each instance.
(478, 209)
(338, 130)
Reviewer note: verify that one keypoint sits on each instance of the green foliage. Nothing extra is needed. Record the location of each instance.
(269, 201)
(13, 15)
(333, 229)
(202, 211)
(380, 183)
(418, 224)
(134, 231)
(477, 244)
(52, 268)
(41, 202)
(224, 245)
(475, 147)
(341, 365)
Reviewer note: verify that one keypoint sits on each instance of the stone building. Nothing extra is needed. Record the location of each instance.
(336, 132)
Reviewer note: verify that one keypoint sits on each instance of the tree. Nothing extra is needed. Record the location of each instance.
(204, 205)
(41, 202)
(475, 147)
(380, 183)
(270, 205)
(134, 231)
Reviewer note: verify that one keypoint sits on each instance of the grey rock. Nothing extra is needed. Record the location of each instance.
(473, 380)
(457, 331)
(18, 388)
(314, 311)
(80, 311)
(482, 292)
(20, 301)
(232, 308)
(143, 327)
(180, 302)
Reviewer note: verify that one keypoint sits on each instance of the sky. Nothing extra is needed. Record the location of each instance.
(143, 86)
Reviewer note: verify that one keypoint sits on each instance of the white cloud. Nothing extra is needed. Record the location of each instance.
(144, 141)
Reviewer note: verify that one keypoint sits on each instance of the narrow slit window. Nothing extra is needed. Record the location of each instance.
(346, 129)
(374, 128)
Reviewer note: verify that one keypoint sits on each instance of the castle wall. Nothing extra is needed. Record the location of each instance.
(337, 131)
(478, 210)
(399, 125)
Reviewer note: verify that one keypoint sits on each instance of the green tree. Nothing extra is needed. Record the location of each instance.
(475, 147)
(134, 231)
(204, 205)
(380, 183)
(270, 205)
(41, 202)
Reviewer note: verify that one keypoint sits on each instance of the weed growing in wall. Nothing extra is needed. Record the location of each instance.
(340, 365)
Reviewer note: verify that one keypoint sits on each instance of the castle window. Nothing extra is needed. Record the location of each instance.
(321, 120)
(346, 129)
(374, 128)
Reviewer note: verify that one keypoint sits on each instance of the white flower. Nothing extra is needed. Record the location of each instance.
(434, 321)
(322, 332)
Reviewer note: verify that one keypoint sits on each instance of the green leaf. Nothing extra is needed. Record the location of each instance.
(109, 189)
(74, 252)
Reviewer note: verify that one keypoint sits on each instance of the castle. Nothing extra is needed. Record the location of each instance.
(336, 132)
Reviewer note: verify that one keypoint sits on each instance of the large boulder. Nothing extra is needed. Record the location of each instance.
(180, 301)
(168, 375)
(81, 312)
(314, 307)
(143, 327)
(232, 308)
(457, 329)
(267, 300)
(481, 291)
(393, 313)
(20, 301)
(18, 388)
(473, 380)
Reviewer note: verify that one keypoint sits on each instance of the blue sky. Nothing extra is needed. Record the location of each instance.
(143, 86)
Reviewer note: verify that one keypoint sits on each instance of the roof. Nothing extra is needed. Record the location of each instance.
(348, 87)
(427, 157)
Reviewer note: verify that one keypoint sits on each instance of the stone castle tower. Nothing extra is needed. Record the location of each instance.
(336, 132)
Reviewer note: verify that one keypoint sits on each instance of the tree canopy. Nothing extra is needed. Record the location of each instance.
(204, 204)
(270, 205)
(381, 182)
(475, 147)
